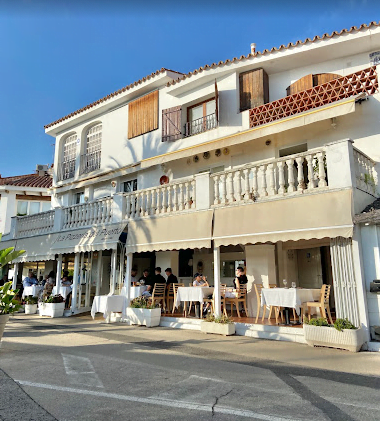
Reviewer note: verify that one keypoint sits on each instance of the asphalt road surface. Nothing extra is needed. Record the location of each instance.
(79, 369)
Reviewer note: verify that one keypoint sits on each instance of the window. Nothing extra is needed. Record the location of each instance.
(22, 208)
(143, 115)
(201, 117)
(79, 198)
(45, 206)
(253, 89)
(130, 186)
(67, 167)
(90, 160)
(34, 207)
(26, 207)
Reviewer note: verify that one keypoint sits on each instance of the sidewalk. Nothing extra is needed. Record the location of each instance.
(82, 330)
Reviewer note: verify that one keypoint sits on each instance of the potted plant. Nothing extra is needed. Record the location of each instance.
(8, 304)
(343, 334)
(30, 304)
(222, 325)
(142, 312)
(54, 306)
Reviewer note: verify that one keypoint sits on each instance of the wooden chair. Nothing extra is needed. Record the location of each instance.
(169, 297)
(175, 288)
(208, 300)
(241, 297)
(258, 288)
(223, 289)
(323, 304)
(159, 294)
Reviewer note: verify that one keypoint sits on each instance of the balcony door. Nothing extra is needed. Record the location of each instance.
(201, 117)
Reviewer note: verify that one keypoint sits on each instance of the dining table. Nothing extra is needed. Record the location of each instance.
(63, 290)
(108, 304)
(192, 294)
(286, 298)
(134, 291)
(33, 290)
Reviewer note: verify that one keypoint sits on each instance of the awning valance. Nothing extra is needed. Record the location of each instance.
(36, 248)
(88, 239)
(172, 232)
(300, 218)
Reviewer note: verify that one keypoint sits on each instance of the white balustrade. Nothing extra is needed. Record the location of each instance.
(87, 214)
(159, 200)
(365, 172)
(39, 223)
(294, 174)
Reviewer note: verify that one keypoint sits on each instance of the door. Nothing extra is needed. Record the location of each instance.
(309, 268)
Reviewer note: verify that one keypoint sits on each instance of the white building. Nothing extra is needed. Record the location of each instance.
(267, 158)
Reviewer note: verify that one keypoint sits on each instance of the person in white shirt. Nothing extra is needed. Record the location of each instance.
(201, 281)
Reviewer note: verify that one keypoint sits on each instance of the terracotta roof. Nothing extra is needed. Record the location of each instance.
(272, 50)
(120, 91)
(28, 180)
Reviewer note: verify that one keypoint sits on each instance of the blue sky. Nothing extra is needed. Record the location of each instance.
(59, 56)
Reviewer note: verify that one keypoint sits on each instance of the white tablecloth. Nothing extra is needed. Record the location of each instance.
(108, 304)
(134, 291)
(63, 290)
(193, 294)
(32, 290)
(286, 297)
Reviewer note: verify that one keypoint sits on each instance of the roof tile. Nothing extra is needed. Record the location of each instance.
(28, 180)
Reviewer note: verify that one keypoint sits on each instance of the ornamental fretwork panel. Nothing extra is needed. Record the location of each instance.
(363, 81)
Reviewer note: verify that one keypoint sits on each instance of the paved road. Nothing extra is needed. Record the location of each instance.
(81, 369)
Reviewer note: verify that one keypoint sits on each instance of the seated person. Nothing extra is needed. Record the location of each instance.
(201, 281)
(49, 284)
(65, 282)
(29, 280)
(145, 278)
(240, 279)
(133, 276)
(172, 279)
(158, 278)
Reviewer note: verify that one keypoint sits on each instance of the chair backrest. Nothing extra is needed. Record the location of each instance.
(242, 291)
(272, 285)
(223, 289)
(325, 293)
(190, 284)
(159, 290)
(258, 288)
(170, 291)
(223, 285)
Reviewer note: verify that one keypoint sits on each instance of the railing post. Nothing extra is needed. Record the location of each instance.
(58, 219)
(118, 207)
(13, 231)
(340, 164)
(203, 191)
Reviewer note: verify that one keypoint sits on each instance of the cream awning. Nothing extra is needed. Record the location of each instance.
(37, 248)
(88, 239)
(300, 218)
(171, 232)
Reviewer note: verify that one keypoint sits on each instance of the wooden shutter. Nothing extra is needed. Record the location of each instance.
(216, 102)
(254, 89)
(143, 115)
(171, 124)
(302, 84)
(323, 78)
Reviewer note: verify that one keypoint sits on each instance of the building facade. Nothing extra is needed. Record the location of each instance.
(260, 161)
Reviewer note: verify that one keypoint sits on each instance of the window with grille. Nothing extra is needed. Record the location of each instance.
(67, 167)
(130, 186)
(90, 160)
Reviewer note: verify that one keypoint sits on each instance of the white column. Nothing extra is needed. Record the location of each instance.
(59, 271)
(128, 271)
(217, 281)
(75, 283)
(14, 282)
(80, 279)
(113, 271)
(99, 272)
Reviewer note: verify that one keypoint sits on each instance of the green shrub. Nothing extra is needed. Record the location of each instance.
(316, 322)
(222, 319)
(55, 299)
(142, 302)
(8, 302)
(341, 324)
(30, 300)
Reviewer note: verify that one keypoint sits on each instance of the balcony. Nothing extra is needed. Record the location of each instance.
(90, 162)
(66, 170)
(363, 81)
(312, 172)
(201, 125)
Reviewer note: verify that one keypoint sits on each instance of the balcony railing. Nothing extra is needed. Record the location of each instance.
(299, 173)
(365, 172)
(39, 223)
(66, 170)
(201, 125)
(90, 162)
(363, 81)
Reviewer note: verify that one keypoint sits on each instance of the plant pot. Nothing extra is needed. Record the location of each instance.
(51, 309)
(349, 339)
(3, 321)
(143, 316)
(30, 308)
(225, 329)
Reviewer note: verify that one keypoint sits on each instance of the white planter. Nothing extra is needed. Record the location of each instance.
(3, 321)
(349, 339)
(51, 309)
(225, 329)
(143, 316)
(30, 308)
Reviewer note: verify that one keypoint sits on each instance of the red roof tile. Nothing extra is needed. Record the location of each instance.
(126, 88)
(28, 180)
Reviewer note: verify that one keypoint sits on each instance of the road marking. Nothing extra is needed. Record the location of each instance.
(162, 402)
(80, 371)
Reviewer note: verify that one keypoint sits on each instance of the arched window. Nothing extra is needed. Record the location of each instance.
(67, 167)
(92, 152)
